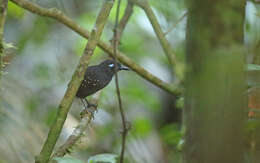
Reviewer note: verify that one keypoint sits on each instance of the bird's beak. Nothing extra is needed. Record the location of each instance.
(123, 68)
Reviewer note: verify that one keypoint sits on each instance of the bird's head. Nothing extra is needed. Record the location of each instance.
(110, 66)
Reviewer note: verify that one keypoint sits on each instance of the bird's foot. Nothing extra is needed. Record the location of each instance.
(89, 109)
(93, 106)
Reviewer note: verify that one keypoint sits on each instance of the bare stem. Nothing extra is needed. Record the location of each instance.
(115, 46)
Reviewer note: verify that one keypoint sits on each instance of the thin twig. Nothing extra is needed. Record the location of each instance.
(127, 14)
(3, 11)
(175, 25)
(123, 118)
(77, 78)
(144, 4)
(62, 18)
(78, 131)
(86, 119)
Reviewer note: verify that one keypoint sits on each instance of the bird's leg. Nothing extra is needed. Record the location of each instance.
(90, 104)
(91, 108)
(82, 100)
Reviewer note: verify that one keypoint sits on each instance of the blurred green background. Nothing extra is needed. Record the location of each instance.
(45, 57)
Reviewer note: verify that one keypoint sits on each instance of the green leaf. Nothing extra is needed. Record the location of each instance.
(253, 125)
(142, 126)
(253, 67)
(106, 158)
(67, 160)
(180, 103)
(171, 134)
(15, 11)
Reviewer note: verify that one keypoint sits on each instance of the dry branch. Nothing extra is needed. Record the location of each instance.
(78, 131)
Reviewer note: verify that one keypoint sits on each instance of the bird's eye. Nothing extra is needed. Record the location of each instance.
(111, 65)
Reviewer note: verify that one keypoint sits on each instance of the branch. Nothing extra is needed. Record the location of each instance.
(62, 18)
(78, 131)
(144, 4)
(3, 11)
(74, 83)
(116, 38)
(86, 118)
(127, 14)
(178, 21)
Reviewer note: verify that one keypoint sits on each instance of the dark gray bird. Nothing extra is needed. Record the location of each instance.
(96, 78)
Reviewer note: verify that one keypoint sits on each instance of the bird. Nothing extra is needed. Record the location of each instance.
(96, 78)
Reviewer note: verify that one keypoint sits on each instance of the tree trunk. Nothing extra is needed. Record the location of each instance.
(215, 101)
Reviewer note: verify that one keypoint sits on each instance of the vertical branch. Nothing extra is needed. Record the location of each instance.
(3, 11)
(77, 78)
(116, 38)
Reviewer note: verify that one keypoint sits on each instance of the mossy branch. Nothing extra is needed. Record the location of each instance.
(62, 18)
(79, 130)
(74, 84)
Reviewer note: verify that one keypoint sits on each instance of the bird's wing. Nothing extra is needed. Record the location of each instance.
(92, 80)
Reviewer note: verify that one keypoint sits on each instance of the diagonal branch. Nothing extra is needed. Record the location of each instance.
(86, 118)
(78, 131)
(62, 18)
(144, 4)
(127, 14)
(74, 83)
(175, 25)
